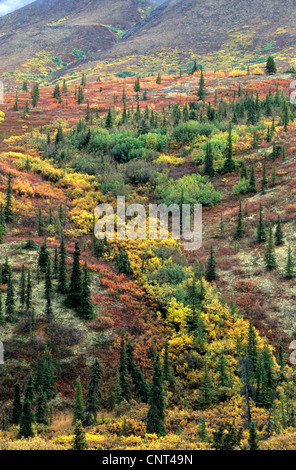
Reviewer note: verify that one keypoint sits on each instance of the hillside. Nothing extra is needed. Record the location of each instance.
(136, 38)
(148, 305)
(59, 27)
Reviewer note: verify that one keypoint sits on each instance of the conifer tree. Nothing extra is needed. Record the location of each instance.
(29, 389)
(270, 261)
(111, 395)
(211, 267)
(8, 211)
(47, 380)
(290, 266)
(158, 79)
(261, 232)
(79, 442)
(73, 299)
(206, 391)
(48, 280)
(244, 171)
(123, 372)
(253, 437)
(78, 406)
(201, 94)
(156, 414)
(109, 119)
(86, 308)
(43, 256)
(203, 435)
(28, 298)
(137, 86)
(229, 164)
(48, 311)
(168, 375)
(279, 234)
(62, 272)
(94, 395)
(17, 406)
(26, 429)
(208, 166)
(140, 383)
(55, 267)
(41, 414)
(252, 181)
(240, 228)
(264, 179)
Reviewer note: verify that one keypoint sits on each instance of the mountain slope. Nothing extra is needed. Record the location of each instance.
(60, 27)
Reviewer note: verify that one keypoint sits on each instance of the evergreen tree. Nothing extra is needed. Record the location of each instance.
(28, 298)
(35, 95)
(270, 261)
(109, 120)
(211, 267)
(261, 232)
(279, 234)
(78, 406)
(62, 271)
(158, 79)
(270, 67)
(94, 395)
(201, 94)
(206, 391)
(80, 442)
(252, 181)
(264, 179)
(244, 171)
(73, 299)
(17, 406)
(123, 372)
(47, 380)
(86, 308)
(29, 390)
(48, 311)
(253, 438)
(290, 266)
(48, 280)
(25, 86)
(240, 228)
(203, 435)
(208, 166)
(26, 429)
(229, 164)
(137, 86)
(43, 256)
(140, 383)
(168, 375)
(41, 414)
(55, 267)
(156, 413)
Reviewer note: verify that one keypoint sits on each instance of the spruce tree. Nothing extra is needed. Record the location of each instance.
(62, 271)
(48, 280)
(80, 442)
(86, 308)
(239, 228)
(269, 257)
(22, 288)
(290, 266)
(253, 438)
(47, 380)
(123, 372)
(208, 166)
(141, 386)
(43, 257)
(203, 435)
(270, 67)
(17, 406)
(279, 234)
(28, 297)
(73, 299)
(211, 267)
(94, 395)
(206, 391)
(26, 429)
(252, 181)
(109, 119)
(41, 414)
(201, 94)
(29, 389)
(78, 405)
(168, 375)
(261, 232)
(229, 164)
(156, 414)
